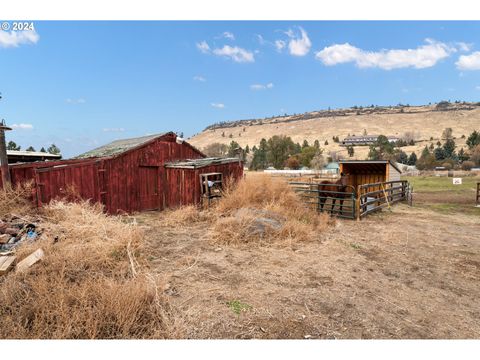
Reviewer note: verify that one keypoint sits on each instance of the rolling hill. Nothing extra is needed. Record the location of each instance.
(426, 122)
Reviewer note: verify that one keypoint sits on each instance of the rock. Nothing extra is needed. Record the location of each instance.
(261, 220)
(262, 225)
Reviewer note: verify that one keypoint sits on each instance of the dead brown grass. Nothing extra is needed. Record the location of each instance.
(262, 194)
(92, 283)
(16, 200)
(184, 215)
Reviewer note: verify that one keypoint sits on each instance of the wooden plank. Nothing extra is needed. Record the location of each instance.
(30, 260)
(6, 264)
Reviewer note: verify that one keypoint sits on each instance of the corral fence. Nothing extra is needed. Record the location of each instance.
(349, 203)
(477, 201)
(328, 198)
(373, 197)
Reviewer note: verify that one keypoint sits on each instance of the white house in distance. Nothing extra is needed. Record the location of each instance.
(365, 140)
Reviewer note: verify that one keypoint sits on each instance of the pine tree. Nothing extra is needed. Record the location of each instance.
(412, 159)
(439, 154)
(233, 148)
(462, 156)
(449, 149)
(30, 148)
(13, 146)
(53, 149)
(425, 151)
(259, 160)
(473, 140)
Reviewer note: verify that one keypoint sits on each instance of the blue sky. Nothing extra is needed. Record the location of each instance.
(83, 84)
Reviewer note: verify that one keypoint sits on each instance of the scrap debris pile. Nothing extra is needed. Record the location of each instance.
(14, 231)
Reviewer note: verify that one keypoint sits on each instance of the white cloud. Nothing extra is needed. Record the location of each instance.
(228, 35)
(218, 105)
(279, 45)
(423, 56)
(469, 62)
(260, 39)
(464, 46)
(235, 53)
(16, 38)
(298, 46)
(477, 88)
(22, 126)
(113, 129)
(203, 47)
(76, 101)
(261, 86)
(199, 78)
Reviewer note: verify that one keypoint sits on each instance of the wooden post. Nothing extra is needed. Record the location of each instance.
(478, 194)
(358, 203)
(7, 182)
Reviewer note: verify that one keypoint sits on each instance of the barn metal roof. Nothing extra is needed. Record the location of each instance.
(118, 146)
(372, 162)
(199, 163)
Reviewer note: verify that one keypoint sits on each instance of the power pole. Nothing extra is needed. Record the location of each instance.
(7, 183)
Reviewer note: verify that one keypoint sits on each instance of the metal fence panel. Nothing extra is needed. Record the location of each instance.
(337, 202)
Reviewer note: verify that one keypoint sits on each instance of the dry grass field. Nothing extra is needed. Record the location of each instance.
(411, 272)
(423, 121)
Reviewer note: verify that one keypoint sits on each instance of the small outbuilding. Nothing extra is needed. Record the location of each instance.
(332, 167)
(17, 156)
(127, 175)
(186, 177)
(369, 171)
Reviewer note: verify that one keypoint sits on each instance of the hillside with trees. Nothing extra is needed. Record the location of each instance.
(415, 126)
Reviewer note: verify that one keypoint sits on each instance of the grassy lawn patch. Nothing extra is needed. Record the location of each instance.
(437, 183)
(439, 194)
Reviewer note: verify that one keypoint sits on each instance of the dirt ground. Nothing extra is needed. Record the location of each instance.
(412, 272)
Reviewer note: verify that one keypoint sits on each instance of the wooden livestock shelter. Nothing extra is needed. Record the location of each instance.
(185, 177)
(377, 184)
(125, 176)
(361, 172)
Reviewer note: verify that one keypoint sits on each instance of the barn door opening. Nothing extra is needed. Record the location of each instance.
(149, 187)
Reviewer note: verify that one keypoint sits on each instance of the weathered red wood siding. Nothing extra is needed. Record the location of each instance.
(184, 186)
(132, 181)
(122, 173)
(21, 173)
(78, 180)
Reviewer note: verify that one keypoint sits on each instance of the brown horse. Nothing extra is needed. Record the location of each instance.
(334, 190)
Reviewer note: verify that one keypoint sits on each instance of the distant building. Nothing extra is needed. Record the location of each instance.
(365, 140)
(332, 167)
(16, 156)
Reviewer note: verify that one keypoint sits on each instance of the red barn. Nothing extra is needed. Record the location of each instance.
(127, 175)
